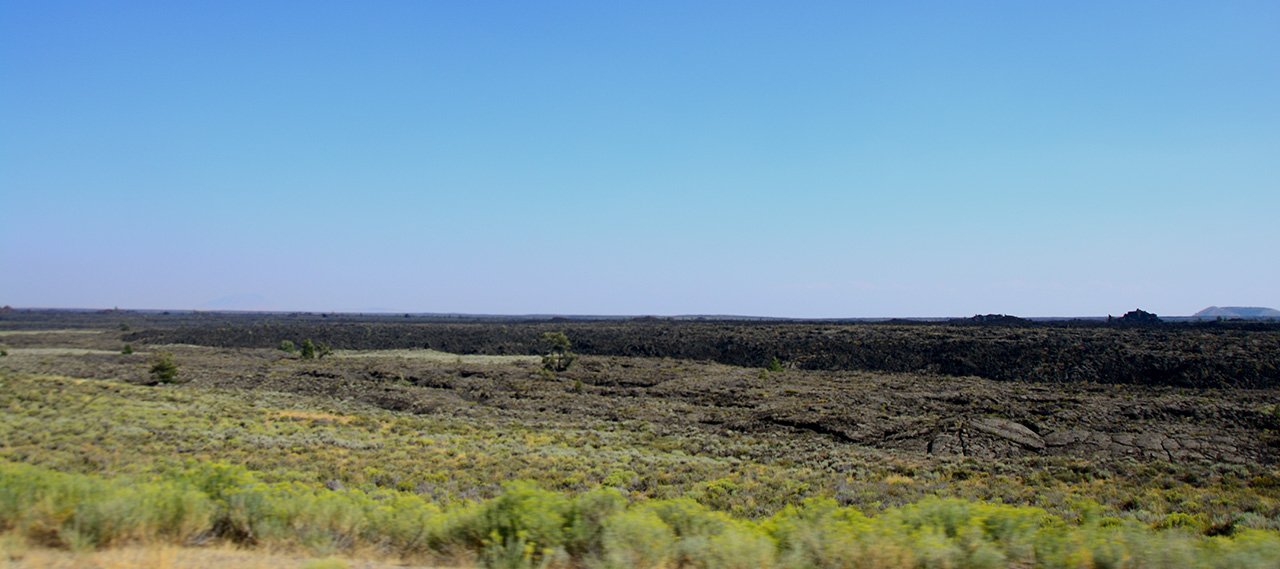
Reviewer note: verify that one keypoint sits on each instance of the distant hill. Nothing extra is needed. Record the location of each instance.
(1237, 312)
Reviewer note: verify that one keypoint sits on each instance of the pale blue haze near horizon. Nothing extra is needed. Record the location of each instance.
(815, 159)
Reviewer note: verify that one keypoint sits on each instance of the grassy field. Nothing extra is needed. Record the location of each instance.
(95, 466)
(433, 355)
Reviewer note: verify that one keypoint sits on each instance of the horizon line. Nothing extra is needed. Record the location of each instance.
(549, 316)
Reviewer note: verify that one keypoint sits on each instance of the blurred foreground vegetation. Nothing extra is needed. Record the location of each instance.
(526, 526)
(87, 464)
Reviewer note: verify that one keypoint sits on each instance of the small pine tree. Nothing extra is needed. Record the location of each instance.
(559, 358)
(163, 369)
(774, 365)
(322, 350)
(308, 349)
(287, 346)
(128, 349)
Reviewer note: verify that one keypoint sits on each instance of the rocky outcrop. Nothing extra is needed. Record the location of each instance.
(1008, 430)
(1138, 317)
(1148, 445)
(990, 437)
(986, 437)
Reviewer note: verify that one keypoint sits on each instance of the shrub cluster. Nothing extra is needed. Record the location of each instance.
(308, 350)
(103, 427)
(526, 526)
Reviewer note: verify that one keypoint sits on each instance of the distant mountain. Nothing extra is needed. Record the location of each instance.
(1246, 312)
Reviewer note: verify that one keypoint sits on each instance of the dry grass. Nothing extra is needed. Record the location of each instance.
(314, 416)
(432, 355)
(58, 352)
(16, 554)
(42, 332)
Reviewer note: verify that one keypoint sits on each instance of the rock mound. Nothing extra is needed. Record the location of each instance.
(1138, 317)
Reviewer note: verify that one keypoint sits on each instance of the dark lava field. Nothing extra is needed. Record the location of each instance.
(983, 387)
(1209, 354)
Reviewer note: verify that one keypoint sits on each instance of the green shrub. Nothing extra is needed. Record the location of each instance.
(774, 365)
(128, 349)
(637, 539)
(287, 346)
(969, 534)
(819, 534)
(526, 527)
(163, 368)
(1248, 549)
(522, 512)
(585, 521)
(1180, 520)
(508, 553)
(308, 349)
(688, 518)
(84, 512)
(739, 546)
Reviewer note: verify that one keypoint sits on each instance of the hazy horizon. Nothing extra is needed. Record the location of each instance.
(214, 308)
(827, 160)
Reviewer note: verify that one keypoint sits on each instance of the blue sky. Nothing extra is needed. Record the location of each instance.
(758, 158)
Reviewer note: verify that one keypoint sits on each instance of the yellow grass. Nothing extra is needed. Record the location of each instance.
(436, 356)
(35, 332)
(174, 557)
(313, 415)
(57, 351)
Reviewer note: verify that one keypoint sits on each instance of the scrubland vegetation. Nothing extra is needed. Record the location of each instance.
(94, 464)
(488, 462)
(526, 526)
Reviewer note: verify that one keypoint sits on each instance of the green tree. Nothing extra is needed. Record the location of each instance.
(774, 365)
(308, 349)
(559, 358)
(287, 346)
(163, 368)
(128, 349)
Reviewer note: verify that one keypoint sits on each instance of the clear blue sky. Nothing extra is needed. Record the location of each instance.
(806, 159)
